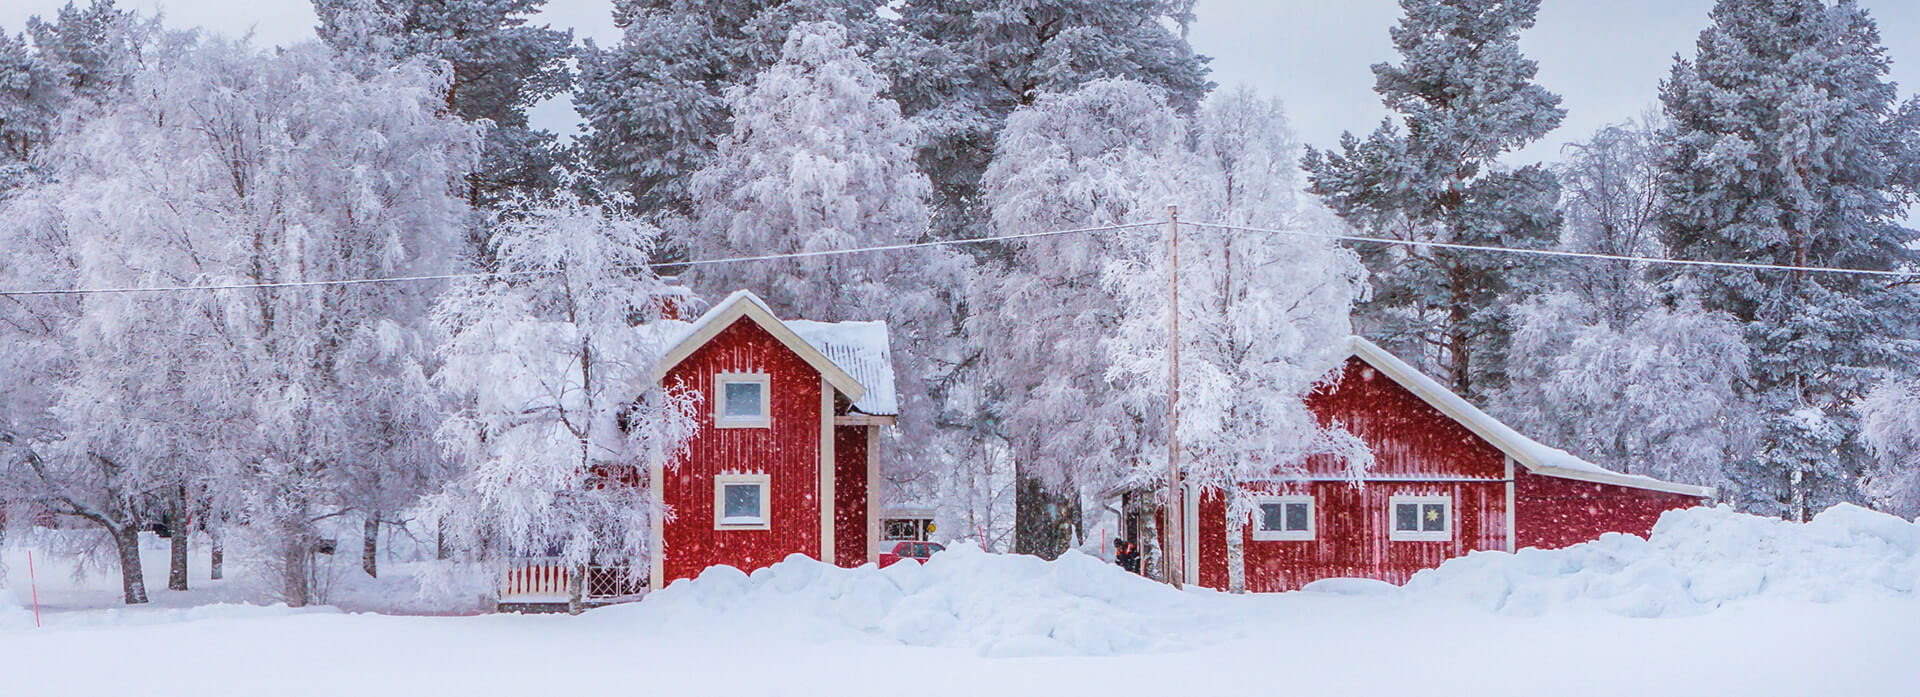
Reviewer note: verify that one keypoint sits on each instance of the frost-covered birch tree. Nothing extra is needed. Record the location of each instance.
(1610, 364)
(281, 172)
(1095, 156)
(1263, 316)
(1890, 426)
(502, 63)
(655, 105)
(557, 418)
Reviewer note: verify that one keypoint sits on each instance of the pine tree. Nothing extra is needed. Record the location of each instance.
(1463, 96)
(1785, 146)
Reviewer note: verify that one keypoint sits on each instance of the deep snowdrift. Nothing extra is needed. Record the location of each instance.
(994, 604)
(1696, 560)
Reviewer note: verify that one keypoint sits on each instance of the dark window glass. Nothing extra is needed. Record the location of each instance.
(1406, 517)
(1434, 517)
(742, 504)
(1298, 516)
(743, 399)
(1272, 517)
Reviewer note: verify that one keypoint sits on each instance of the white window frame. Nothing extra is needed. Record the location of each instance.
(720, 417)
(720, 484)
(1396, 534)
(1263, 535)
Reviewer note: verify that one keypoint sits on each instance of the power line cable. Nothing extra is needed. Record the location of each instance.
(509, 274)
(1563, 254)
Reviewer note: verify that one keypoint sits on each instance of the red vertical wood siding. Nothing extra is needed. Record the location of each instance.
(789, 452)
(1408, 436)
(850, 543)
(1417, 451)
(1553, 512)
(1351, 534)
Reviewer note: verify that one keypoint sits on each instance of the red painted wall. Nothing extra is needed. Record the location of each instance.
(850, 543)
(1417, 450)
(1552, 512)
(789, 452)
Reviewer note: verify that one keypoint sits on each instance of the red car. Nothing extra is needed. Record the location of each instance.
(909, 550)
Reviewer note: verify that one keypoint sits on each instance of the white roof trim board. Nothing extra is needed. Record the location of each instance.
(1536, 457)
(742, 303)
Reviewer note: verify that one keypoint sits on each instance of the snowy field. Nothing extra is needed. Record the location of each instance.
(1716, 603)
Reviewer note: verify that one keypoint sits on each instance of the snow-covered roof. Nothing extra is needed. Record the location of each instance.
(862, 350)
(853, 356)
(1535, 456)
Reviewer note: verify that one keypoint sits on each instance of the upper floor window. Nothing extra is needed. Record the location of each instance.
(742, 400)
(1421, 518)
(1283, 518)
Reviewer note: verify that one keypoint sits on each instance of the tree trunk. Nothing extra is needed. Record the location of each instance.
(1044, 520)
(299, 557)
(1236, 553)
(1459, 312)
(370, 546)
(126, 542)
(217, 555)
(177, 559)
(576, 592)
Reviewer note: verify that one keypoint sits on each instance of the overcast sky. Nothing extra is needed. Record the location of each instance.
(1604, 57)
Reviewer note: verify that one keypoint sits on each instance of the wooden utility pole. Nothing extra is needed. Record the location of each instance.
(1176, 556)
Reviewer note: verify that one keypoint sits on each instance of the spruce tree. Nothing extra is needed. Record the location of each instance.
(1786, 146)
(1462, 96)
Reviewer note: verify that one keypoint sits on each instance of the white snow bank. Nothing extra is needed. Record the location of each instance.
(13, 615)
(993, 604)
(1697, 559)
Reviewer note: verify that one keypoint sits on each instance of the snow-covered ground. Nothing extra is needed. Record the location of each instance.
(1715, 603)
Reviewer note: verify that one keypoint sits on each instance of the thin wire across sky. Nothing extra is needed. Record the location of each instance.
(1360, 239)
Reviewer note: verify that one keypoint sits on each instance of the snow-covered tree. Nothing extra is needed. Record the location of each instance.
(1890, 425)
(655, 105)
(818, 160)
(1263, 316)
(962, 66)
(1785, 146)
(235, 166)
(1462, 96)
(1609, 364)
(556, 414)
(1095, 156)
(501, 64)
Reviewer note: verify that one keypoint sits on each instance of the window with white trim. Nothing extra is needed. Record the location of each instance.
(1283, 518)
(742, 502)
(1420, 518)
(742, 400)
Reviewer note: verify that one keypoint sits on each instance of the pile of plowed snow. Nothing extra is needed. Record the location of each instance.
(1696, 560)
(995, 604)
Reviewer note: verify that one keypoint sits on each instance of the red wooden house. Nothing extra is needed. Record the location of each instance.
(1447, 479)
(782, 461)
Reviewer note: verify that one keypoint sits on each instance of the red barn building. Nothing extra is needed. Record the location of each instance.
(1447, 479)
(782, 460)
